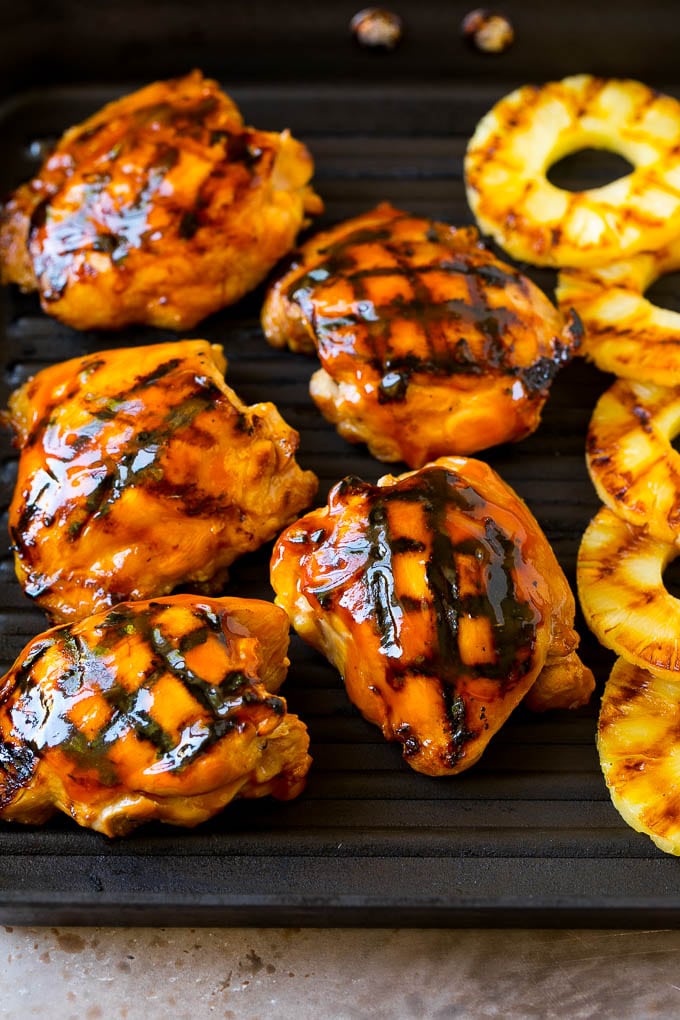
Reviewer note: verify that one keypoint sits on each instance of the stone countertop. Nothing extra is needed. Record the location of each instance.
(338, 974)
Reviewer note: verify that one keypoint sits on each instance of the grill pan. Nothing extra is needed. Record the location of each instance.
(528, 836)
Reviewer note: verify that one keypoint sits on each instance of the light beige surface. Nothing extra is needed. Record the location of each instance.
(337, 974)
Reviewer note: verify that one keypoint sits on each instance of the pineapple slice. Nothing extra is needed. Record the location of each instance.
(515, 144)
(624, 332)
(630, 458)
(624, 600)
(637, 740)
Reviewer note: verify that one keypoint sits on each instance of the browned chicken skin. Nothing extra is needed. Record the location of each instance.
(428, 344)
(158, 710)
(161, 208)
(439, 599)
(140, 470)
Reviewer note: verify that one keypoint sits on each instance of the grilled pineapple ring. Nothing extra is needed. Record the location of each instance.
(624, 332)
(520, 138)
(624, 600)
(630, 458)
(637, 740)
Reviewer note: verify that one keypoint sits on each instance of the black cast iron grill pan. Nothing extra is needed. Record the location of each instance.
(528, 836)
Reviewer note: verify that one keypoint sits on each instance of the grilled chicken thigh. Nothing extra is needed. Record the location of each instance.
(140, 470)
(428, 344)
(439, 599)
(161, 208)
(153, 710)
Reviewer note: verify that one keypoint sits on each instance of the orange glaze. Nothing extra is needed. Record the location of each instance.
(428, 343)
(439, 599)
(140, 469)
(161, 208)
(113, 720)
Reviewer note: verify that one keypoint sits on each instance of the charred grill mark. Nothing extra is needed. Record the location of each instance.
(22, 677)
(188, 225)
(380, 580)
(155, 375)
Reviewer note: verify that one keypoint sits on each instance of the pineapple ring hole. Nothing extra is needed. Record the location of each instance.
(588, 168)
(671, 576)
(664, 292)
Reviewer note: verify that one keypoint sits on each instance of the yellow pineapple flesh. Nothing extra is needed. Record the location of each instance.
(624, 332)
(630, 456)
(525, 133)
(639, 751)
(624, 600)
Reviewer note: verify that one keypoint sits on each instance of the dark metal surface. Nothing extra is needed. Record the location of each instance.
(527, 837)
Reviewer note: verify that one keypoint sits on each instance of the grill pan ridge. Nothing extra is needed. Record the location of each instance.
(528, 836)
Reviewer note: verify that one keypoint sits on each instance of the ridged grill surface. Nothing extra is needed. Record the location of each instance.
(526, 837)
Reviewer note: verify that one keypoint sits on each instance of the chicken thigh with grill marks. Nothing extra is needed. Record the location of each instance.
(439, 599)
(141, 470)
(161, 208)
(429, 345)
(158, 710)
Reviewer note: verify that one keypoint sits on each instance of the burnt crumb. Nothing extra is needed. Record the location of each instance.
(393, 387)
(351, 485)
(539, 376)
(377, 28)
(644, 417)
(409, 741)
(243, 423)
(487, 31)
(575, 328)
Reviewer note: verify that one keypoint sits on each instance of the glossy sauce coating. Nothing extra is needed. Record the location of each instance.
(438, 598)
(154, 710)
(160, 209)
(428, 343)
(140, 469)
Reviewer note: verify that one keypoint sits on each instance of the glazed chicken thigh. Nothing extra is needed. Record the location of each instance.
(428, 343)
(161, 208)
(141, 470)
(438, 598)
(160, 710)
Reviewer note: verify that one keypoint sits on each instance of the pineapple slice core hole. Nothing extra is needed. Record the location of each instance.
(664, 291)
(671, 576)
(588, 168)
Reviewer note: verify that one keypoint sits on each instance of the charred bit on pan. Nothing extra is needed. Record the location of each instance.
(377, 28)
(487, 31)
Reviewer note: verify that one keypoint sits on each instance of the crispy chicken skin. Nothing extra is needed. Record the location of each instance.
(429, 345)
(438, 598)
(160, 209)
(140, 470)
(156, 710)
